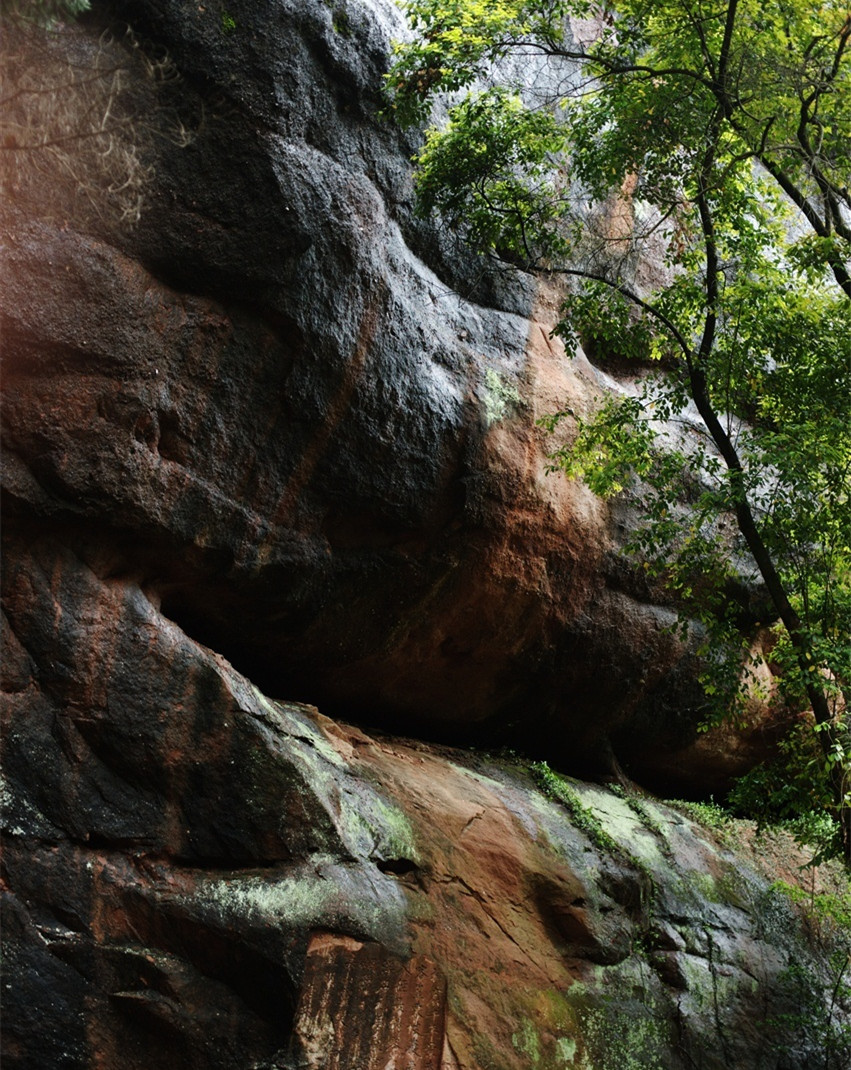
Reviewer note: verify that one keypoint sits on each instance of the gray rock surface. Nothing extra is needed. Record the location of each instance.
(198, 876)
(307, 420)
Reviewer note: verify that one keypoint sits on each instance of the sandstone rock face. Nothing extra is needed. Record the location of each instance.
(307, 421)
(280, 440)
(197, 876)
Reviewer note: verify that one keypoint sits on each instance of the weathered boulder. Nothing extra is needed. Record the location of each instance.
(307, 422)
(198, 876)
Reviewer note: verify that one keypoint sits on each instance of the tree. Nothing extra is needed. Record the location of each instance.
(723, 134)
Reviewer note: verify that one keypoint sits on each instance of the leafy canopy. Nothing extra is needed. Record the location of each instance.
(717, 139)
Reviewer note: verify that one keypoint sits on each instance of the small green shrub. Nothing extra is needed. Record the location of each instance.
(822, 1000)
(819, 1021)
(709, 814)
(583, 817)
(793, 792)
(830, 912)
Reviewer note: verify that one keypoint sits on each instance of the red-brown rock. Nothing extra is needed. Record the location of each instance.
(197, 876)
(265, 406)
(282, 435)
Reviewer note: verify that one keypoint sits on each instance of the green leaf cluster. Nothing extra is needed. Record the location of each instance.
(458, 40)
(723, 133)
(493, 172)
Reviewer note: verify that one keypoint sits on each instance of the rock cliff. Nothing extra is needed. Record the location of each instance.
(307, 422)
(198, 876)
(278, 438)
